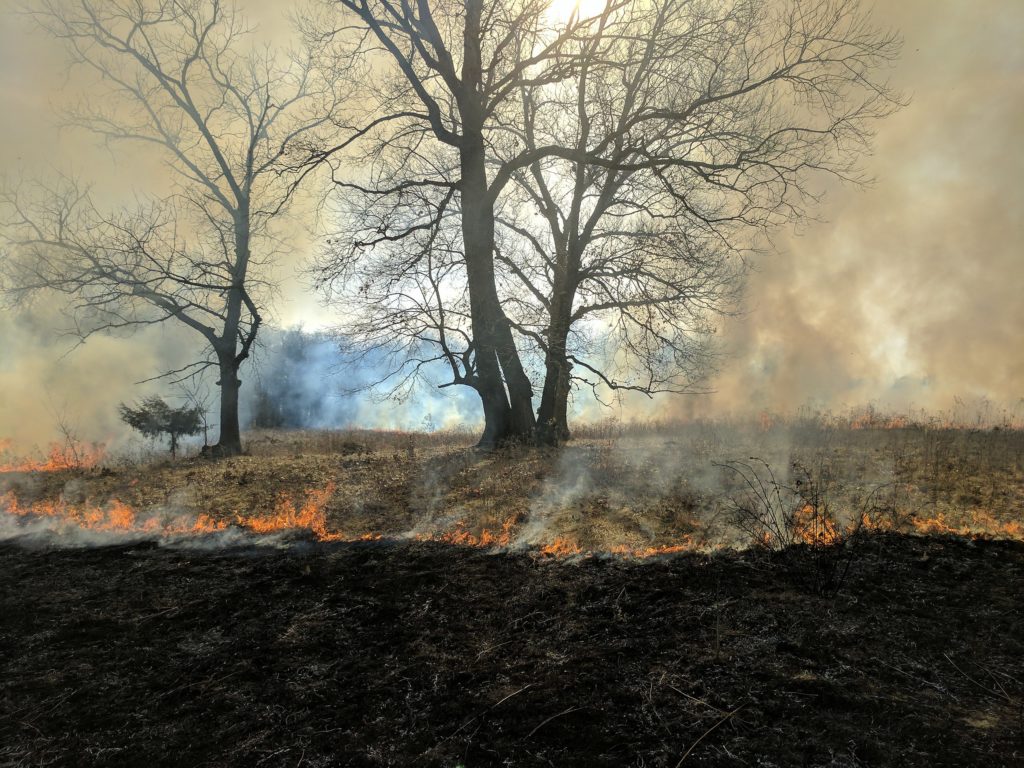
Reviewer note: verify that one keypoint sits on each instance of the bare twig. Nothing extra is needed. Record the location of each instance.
(553, 717)
(704, 735)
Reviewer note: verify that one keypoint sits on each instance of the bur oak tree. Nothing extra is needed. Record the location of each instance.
(442, 77)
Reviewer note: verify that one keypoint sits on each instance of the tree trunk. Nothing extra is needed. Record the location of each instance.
(230, 442)
(228, 356)
(506, 416)
(520, 391)
(552, 416)
(478, 245)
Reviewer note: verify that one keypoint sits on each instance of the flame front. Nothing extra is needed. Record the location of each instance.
(58, 457)
(114, 516)
(310, 515)
(981, 523)
(561, 547)
(461, 536)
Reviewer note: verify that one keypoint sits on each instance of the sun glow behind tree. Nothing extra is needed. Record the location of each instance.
(562, 10)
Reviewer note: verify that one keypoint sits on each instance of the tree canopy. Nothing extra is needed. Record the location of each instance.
(154, 417)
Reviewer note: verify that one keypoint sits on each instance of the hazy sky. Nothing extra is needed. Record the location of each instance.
(908, 292)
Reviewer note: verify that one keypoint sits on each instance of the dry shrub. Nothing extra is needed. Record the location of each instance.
(796, 521)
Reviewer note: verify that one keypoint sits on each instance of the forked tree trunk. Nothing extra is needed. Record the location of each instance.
(507, 416)
(478, 242)
(228, 357)
(522, 422)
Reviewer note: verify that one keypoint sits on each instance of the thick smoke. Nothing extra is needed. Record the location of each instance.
(52, 387)
(303, 380)
(905, 294)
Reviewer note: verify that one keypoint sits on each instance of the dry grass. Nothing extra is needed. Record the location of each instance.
(613, 487)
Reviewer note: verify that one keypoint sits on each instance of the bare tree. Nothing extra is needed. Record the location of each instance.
(435, 128)
(180, 76)
(629, 164)
(408, 302)
(634, 310)
(683, 138)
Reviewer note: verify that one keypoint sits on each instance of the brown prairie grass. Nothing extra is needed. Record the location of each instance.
(614, 486)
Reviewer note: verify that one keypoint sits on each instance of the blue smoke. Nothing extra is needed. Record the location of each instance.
(303, 380)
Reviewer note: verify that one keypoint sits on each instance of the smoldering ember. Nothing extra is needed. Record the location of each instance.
(511, 383)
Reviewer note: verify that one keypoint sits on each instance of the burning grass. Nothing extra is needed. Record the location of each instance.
(634, 493)
(69, 455)
(437, 606)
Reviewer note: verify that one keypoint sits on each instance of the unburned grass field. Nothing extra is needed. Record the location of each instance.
(372, 599)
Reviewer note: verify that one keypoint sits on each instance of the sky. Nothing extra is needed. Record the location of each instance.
(906, 293)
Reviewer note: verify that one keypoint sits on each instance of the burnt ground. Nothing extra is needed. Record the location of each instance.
(404, 654)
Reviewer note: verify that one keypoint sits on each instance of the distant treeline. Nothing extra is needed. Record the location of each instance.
(297, 383)
(308, 380)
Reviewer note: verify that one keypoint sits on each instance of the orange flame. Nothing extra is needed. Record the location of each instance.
(561, 548)
(981, 524)
(814, 527)
(116, 516)
(873, 420)
(310, 516)
(463, 537)
(687, 545)
(58, 457)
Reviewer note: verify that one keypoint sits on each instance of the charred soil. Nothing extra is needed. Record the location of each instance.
(417, 653)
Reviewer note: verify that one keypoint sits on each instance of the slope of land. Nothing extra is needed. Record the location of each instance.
(606, 491)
